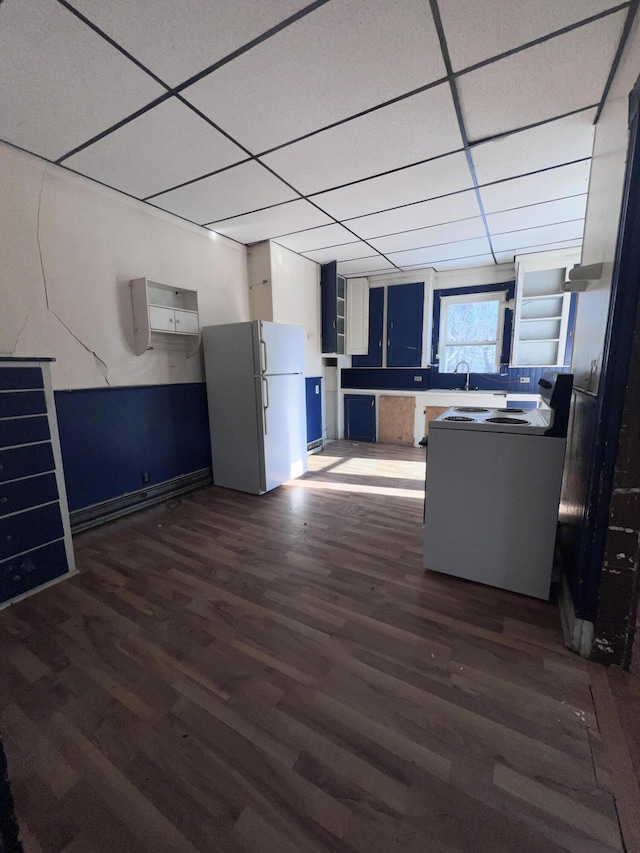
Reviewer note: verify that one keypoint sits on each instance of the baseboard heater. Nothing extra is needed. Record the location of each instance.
(92, 516)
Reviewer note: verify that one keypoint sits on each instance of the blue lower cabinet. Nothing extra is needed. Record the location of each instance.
(313, 389)
(29, 571)
(360, 417)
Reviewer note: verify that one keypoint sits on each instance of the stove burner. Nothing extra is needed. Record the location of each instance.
(457, 418)
(506, 421)
(511, 411)
(470, 409)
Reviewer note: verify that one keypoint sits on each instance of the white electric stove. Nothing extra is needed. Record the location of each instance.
(493, 490)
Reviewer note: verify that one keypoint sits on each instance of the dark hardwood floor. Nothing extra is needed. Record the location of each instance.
(234, 673)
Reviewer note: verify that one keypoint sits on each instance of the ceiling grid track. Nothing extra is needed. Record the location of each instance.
(435, 11)
(340, 210)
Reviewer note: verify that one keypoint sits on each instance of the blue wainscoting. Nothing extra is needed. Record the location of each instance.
(313, 388)
(113, 438)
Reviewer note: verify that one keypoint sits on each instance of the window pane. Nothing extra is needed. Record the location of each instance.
(481, 359)
(473, 321)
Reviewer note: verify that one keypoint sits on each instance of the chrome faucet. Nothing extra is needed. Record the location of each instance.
(466, 364)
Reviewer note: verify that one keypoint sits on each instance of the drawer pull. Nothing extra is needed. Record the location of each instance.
(3, 500)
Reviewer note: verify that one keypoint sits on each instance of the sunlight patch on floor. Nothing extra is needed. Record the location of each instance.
(396, 469)
(353, 487)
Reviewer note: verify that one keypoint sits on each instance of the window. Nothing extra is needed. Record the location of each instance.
(472, 325)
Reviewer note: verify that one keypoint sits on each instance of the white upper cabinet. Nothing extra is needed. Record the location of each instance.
(357, 342)
(161, 308)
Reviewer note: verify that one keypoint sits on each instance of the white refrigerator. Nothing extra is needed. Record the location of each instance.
(256, 399)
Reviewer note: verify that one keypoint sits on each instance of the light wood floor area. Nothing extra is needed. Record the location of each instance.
(234, 673)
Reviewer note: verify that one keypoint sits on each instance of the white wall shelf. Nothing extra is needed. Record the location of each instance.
(164, 310)
(542, 309)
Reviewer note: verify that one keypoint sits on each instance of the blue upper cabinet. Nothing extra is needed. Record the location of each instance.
(332, 295)
(405, 314)
(376, 326)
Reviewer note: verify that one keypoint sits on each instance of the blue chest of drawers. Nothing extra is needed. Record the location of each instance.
(35, 537)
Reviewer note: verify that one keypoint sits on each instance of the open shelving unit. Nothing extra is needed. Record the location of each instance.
(542, 312)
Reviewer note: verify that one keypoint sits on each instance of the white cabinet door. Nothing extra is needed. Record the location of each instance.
(161, 319)
(357, 316)
(187, 322)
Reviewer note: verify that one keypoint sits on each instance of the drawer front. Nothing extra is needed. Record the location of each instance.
(24, 461)
(22, 494)
(23, 431)
(29, 529)
(187, 322)
(18, 403)
(12, 378)
(162, 319)
(29, 571)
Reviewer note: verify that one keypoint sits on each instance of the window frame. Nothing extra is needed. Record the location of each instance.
(444, 297)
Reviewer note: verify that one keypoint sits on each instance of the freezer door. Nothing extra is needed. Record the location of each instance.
(284, 443)
(280, 348)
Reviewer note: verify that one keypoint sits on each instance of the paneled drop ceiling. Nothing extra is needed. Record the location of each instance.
(386, 134)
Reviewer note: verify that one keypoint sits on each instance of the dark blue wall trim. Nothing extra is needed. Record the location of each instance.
(314, 407)
(403, 379)
(385, 378)
(509, 286)
(110, 436)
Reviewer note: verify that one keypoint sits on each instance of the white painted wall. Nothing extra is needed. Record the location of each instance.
(260, 286)
(296, 300)
(69, 249)
(603, 214)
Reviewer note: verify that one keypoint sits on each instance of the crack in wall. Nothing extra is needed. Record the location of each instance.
(44, 277)
(100, 364)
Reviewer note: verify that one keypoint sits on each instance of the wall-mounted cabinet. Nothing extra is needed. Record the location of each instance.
(164, 310)
(405, 312)
(333, 294)
(345, 312)
(542, 311)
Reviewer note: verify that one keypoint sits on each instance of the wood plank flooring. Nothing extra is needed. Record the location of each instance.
(233, 673)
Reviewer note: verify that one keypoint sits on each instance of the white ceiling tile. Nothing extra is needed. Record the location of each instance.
(339, 60)
(316, 238)
(61, 83)
(417, 183)
(547, 213)
(550, 144)
(265, 224)
(346, 252)
(157, 31)
(477, 31)
(164, 147)
(563, 74)
(365, 266)
(338, 156)
(430, 255)
(543, 186)
(451, 232)
(458, 263)
(237, 190)
(508, 256)
(451, 208)
(562, 231)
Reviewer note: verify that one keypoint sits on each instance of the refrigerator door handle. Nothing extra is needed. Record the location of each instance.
(263, 344)
(265, 405)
